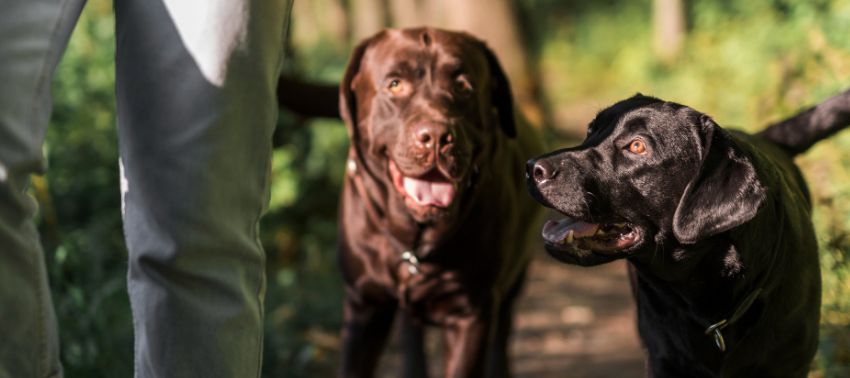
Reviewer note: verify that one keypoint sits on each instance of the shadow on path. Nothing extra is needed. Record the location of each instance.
(571, 321)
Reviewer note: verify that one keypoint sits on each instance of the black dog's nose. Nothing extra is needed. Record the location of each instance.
(540, 171)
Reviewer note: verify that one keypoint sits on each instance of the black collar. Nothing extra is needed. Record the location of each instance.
(745, 304)
(740, 310)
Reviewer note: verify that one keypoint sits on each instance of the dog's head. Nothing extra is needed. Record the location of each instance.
(649, 172)
(422, 106)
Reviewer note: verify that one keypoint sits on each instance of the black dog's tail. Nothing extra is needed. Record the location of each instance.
(799, 132)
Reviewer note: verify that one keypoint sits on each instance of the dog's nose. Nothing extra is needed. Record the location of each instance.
(429, 135)
(540, 171)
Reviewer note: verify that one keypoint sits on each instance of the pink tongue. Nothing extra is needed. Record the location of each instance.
(556, 231)
(433, 193)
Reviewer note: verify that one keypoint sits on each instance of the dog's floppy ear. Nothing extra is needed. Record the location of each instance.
(502, 99)
(347, 99)
(725, 193)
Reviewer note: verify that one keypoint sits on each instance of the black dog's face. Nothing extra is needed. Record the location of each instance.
(424, 101)
(635, 182)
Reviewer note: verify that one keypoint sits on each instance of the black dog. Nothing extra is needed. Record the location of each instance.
(716, 225)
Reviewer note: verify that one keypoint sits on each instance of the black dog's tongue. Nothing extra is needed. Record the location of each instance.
(556, 232)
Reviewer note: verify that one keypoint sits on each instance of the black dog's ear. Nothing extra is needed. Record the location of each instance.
(347, 99)
(725, 193)
(502, 98)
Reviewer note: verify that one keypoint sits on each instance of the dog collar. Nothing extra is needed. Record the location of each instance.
(744, 305)
(407, 257)
(742, 308)
(351, 166)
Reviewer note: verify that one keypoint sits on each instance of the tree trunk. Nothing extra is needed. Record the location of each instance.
(320, 21)
(406, 13)
(368, 17)
(669, 28)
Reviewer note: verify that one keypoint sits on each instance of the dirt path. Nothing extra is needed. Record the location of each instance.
(576, 322)
(571, 322)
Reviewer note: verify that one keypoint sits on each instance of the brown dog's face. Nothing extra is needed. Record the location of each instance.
(423, 111)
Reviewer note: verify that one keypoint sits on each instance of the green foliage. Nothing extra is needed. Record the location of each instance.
(81, 222)
(304, 301)
(827, 167)
(742, 61)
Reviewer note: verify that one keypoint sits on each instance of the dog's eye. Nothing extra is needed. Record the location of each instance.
(463, 86)
(397, 87)
(637, 146)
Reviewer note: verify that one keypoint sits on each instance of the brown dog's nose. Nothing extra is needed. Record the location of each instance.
(540, 171)
(427, 135)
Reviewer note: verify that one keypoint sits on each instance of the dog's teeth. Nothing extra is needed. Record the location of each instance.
(620, 225)
(600, 232)
(569, 238)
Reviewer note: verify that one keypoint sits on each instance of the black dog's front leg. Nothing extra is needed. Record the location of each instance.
(365, 330)
(499, 362)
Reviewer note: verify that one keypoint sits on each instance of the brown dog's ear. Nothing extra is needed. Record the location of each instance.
(502, 99)
(725, 193)
(347, 99)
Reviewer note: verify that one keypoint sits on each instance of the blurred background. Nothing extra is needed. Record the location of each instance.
(746, 63)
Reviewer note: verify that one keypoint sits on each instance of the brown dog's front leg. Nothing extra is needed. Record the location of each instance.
(466, 347)
(412, 339)
(365, 331)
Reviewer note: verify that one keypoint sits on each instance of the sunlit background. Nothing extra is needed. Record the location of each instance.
(746, 63)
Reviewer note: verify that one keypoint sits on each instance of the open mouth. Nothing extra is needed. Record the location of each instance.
(576, 235)
(433, 189)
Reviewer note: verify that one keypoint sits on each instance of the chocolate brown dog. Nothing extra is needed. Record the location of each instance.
(434, 219)
(716, 226)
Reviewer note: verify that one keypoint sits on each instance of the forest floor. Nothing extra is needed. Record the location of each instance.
(571, 322)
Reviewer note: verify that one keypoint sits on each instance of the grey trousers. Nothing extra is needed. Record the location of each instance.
(196, 106)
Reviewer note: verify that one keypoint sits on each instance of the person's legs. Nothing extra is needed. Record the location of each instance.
(196, 109)
(33, 35)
